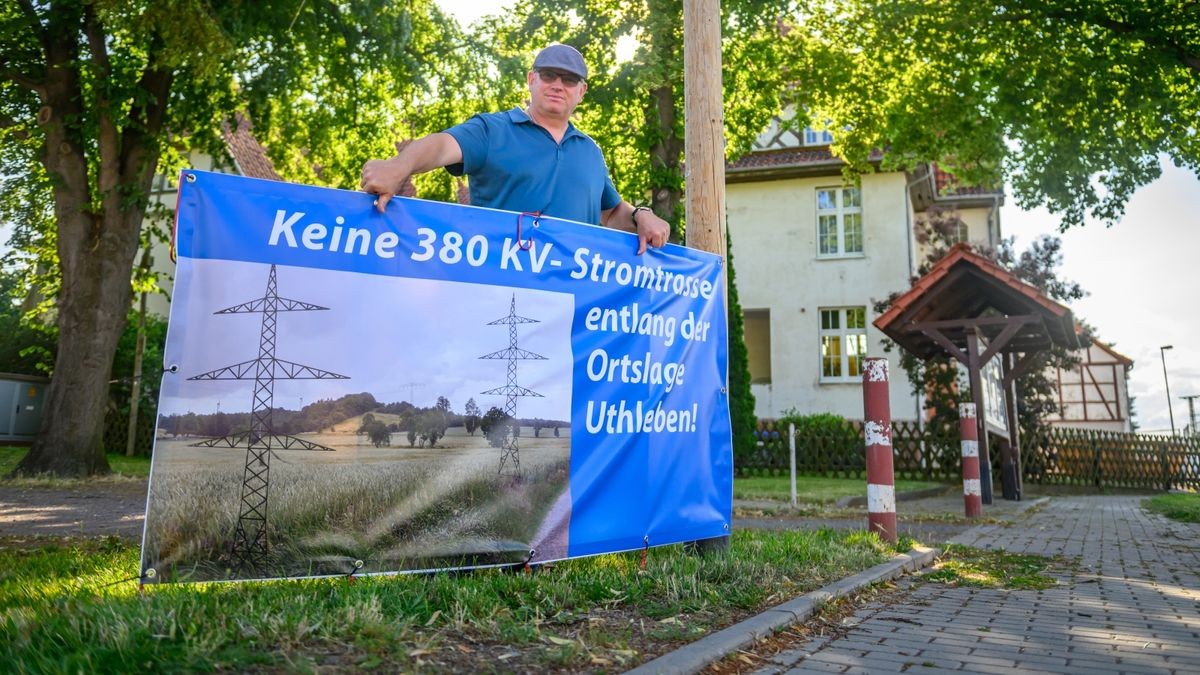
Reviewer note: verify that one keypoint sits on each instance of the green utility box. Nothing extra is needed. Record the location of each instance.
(21, 401)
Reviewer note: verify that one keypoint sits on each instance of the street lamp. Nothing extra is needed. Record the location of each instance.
(1162, 351)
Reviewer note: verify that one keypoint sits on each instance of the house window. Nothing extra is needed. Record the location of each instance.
(839, 222)
(843, 343)
(757, 331)
(815, 137)
(959, 233)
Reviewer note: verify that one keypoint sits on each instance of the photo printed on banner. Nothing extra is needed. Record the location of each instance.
(324, 422)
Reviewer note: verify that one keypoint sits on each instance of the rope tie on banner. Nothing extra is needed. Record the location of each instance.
(525, 566)
(358, 565)
(526, 244)
(645, 548)
(122, 581)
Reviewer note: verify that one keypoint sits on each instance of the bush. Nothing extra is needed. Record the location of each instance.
(825, 443)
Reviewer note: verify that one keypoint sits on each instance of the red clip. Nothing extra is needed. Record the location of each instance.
(525, 245)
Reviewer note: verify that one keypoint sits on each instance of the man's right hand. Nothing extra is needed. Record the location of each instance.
(383, 178)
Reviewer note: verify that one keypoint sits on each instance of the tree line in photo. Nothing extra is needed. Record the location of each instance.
(420, 426)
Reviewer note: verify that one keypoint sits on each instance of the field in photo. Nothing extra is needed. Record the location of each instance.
(394, 508)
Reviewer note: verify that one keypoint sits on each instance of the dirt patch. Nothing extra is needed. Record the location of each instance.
(98, 508)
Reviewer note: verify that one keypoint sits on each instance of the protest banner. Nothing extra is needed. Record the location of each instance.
(320, 356)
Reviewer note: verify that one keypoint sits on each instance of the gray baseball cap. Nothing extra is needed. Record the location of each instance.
(561, 57)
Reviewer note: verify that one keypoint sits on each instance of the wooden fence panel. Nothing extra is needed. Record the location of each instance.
(1064, 456)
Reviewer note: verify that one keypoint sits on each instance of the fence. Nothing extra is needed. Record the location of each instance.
(1063, 457)
(116, 431)
(837, 450)
(1110, 459)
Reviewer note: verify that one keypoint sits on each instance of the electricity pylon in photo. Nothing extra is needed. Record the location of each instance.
(250, 546)
(512, 390)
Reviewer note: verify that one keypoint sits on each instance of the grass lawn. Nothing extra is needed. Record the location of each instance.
(1179, 506)
(67, 606)
(131, 467)
(813, 489)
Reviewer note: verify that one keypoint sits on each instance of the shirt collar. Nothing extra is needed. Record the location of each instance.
(519, 116)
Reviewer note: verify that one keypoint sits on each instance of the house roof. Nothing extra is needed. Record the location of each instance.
(792, 162)
(787, 162)
(964, 285)
(1125, 360)
(248, 154)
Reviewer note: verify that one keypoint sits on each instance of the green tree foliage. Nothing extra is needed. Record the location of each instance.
(741, 399)
(471, 416)
(379, 434)
(364, 425)
(430, 427)
(496, 426)
(27, 346)
(104, 93)
(1070, 102)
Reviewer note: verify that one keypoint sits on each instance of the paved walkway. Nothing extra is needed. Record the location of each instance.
(1128, 600)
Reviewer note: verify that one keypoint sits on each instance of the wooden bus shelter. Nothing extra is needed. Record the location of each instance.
(973, 309)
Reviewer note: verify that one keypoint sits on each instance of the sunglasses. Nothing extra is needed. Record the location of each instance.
(568, 79)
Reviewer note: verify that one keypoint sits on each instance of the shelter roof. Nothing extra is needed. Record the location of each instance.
(965, 290)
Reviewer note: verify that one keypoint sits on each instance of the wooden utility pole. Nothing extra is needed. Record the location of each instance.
(135, 388)
(704, 145)
(703, 124)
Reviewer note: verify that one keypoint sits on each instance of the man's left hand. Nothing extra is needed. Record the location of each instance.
(652, 231)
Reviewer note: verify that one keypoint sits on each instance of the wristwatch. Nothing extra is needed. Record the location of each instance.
(633, 216)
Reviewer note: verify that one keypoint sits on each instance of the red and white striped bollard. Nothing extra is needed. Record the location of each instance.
(877, 430)
(968, 427)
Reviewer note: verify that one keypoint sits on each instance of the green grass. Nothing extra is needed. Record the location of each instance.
(67, 606)
(1178, 506)
(979, 568)
(129, 467)
(813, 489)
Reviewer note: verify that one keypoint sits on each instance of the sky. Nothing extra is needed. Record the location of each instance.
(398, 339)
(1139, 274)
(1136, 271)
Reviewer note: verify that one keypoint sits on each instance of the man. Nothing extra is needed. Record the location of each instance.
(530, 159)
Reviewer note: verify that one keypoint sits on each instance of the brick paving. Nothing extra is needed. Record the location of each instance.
(1127, 601)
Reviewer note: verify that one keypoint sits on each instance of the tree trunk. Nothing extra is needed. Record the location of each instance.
(666, 193)
(92, 309)
(98, 175)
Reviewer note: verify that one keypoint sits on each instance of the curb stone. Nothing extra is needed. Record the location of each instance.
(911, 495)
(692, 657)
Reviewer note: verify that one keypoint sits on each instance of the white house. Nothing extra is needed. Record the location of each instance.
(1094, 394)
(813, 254)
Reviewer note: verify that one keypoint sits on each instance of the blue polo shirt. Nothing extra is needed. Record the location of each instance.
(516, 165)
